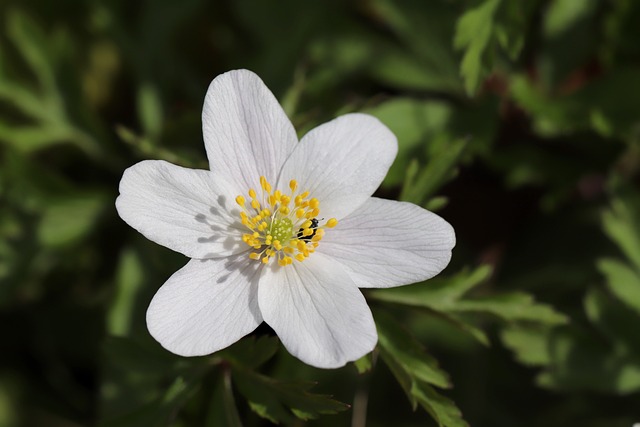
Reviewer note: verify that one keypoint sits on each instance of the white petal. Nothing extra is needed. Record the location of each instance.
(187, 210)
(342, 162)
(206, 306)
(386, 243)
(246, 132)
(317, 311)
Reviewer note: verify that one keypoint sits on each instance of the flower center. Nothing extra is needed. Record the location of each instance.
(281, 226)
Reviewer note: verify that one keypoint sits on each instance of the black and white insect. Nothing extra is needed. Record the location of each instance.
(314, 227)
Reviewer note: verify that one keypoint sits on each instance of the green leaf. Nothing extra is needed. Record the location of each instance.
(439, 293)
(150, 110)
(442, 409)
(561, 15)
(397, 343)
(418, 24)
(514, 306)
(156, 413)
(445, 295)
(415, 370)
(67, 220)
(604, 358)
(622, 224)
(143, 384)
(251, 352)
(510, 19)
(411, 120)
(551, 115)
(31, 43)
(473, 33)
(364, 364)
(622, 280)
(223, 410)
(25, 101)
(582, 360)
(32, 138)
(132, 355)
(568, 39)
(444, 154)
(148, 148)
(403, 70)
(616, 321)
(436, 203)
(279, 401)
(605, 105)
(129, 281)
(42, 104)
(402, 376)
(361, 53)
(529, 343)
(466, 327)
(9, 402)
(414, 122)
(609, 103)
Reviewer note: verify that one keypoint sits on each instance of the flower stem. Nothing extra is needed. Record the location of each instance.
(361, 397)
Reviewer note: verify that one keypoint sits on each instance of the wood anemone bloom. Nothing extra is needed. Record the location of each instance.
(278, 230)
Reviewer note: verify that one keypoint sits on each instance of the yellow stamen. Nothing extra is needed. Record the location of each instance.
(281, 226)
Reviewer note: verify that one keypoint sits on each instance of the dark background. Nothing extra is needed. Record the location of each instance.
(518, 122)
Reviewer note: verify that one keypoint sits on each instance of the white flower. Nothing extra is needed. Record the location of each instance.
(278, 230)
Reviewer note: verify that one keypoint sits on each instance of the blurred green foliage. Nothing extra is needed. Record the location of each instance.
(519, 122)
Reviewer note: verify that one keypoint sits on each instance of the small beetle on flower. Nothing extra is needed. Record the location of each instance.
(255, 231)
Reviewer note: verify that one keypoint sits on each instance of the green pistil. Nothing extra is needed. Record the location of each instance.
(281, 229)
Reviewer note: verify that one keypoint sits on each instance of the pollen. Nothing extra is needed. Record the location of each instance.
(282, 225)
